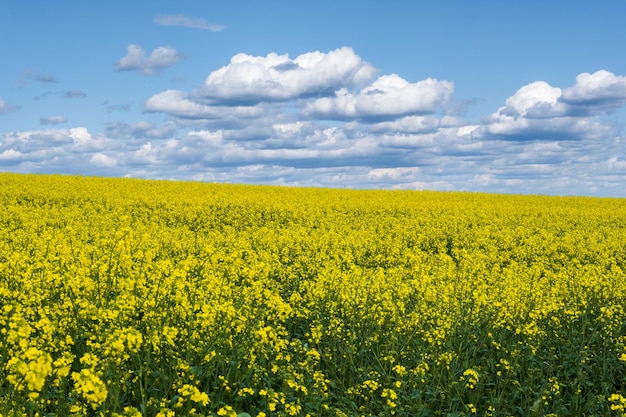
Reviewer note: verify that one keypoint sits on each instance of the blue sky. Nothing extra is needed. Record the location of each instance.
(507, 97)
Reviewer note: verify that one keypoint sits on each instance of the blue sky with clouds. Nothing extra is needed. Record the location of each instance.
(512, 97)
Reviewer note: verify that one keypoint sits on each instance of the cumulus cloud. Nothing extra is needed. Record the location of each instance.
(101, 160)
(320, 83)
(10, 155)
(538, 99)
(601, 91)
(188, 22)
(253, 79)
(268, 88)
(53, 120)
(6, 107)
(539, 111)
(388, 96)
(180, 104)
(136, 59)
(175, 102)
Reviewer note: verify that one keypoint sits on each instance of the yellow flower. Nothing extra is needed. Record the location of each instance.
(470, 377)
(129, 412)
(194, 394)
(90, 387)
(618, 402)
(89, 360)
(400, 370)
(29, 371)
(389, 393)
(169, 334)
(227, 411)
(293, 409)
(370, 384)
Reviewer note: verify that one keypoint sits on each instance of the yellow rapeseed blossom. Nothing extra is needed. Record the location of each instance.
(169, 334)
(400, 370)
(470, 377)
(227, 411)
(618, 403)
(29, 371)
(129, 412)
(194, 394)
(371, 385)
(179, 298)
(90, 387)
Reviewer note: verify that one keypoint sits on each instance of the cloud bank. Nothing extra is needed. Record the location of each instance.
(331, 119)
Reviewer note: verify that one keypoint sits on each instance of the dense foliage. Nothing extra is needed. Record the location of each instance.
(130, 297)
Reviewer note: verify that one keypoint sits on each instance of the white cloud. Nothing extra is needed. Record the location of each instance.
(80, 135)
(103, 161)
(74, 140)
(10, 155)
(388, 96)
(289, 129)
(277, 77)
(178, 103)
(186, 21)
(136, 59)
(537, 99)
(557, 128)
(212, 139)
(408, 124)
(394, 173)
(53, 120)
(593, 94)
(539, 111)
(6, 107)
(601, 90)
(277, 89)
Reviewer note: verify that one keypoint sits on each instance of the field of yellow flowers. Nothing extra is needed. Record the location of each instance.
(123, 297)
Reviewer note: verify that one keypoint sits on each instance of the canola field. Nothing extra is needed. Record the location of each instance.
(123, 297)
